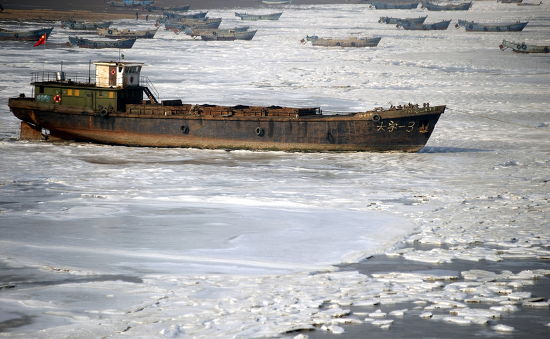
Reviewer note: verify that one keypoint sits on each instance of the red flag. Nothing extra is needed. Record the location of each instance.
(41, 41)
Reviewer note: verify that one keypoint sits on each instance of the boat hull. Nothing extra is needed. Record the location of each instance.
(33, 35)
(404, 129)
(471, 26)
(179, 26)
(350, 42)
(228, 36)
(97, 44)
(126, 34)
(85, 26)
(256, 17)
(394, 21)
(386, 5)
(449, 7)
(524, 48)
(442, 25)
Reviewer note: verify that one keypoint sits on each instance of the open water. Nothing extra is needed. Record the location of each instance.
(118, 241)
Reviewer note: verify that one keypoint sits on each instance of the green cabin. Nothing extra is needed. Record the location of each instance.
(116, 84)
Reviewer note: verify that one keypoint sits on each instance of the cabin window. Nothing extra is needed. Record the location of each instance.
(73, 92)
(111, 95)
(41, 89)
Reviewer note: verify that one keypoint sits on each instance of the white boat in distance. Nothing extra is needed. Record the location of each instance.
(276, 2)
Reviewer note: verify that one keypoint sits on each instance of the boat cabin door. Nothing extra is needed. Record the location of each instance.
(112, 76)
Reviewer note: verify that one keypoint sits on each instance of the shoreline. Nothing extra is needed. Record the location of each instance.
(47, 15)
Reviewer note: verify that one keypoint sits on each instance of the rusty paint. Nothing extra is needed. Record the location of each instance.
(112, 111)
(236, 127)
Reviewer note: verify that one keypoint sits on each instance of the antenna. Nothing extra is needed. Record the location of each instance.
(89, 72)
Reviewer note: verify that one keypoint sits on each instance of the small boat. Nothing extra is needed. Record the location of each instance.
(177, 9)
(96, 44)
(85, 26)
(171, 15)
(430, 6)
(471, 26)
(182, 25)
(276, 2)
(110, 109)
(32, 35)
(394, 21)
(522, 47)
(198, 32)
(510, 1)
(227, 35)
(441, 25)
(397, 5)
(529, 3)
(254, 17)
(342, 42)
(113, 33)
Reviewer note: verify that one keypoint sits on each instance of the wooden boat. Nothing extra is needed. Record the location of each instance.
(113, 33)
(430, 6)
(441, 25)
(182, 24)
(471, 26)
(32, 35)
(227, 35)
(85, 26)
(255, 17)
(97, 44)
(510, 1)
(522, 47)
(343, 42)
(390, 20)
(171, 15)
(395, 5)
(111, 110)
(199, 32)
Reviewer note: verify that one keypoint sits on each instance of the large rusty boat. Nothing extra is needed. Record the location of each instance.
(115, 107)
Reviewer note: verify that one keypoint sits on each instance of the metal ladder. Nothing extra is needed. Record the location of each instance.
(151, 91)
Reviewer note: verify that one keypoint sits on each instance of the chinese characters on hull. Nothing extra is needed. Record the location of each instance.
(393, 126)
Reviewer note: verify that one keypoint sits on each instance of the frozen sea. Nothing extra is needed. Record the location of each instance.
(106, 241)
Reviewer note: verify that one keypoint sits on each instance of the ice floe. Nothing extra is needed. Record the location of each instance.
(503, 328)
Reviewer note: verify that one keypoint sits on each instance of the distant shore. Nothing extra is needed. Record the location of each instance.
(44, 10)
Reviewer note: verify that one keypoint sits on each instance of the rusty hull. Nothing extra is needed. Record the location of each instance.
(405, 129)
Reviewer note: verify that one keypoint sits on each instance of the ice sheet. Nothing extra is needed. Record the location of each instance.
(119, 241)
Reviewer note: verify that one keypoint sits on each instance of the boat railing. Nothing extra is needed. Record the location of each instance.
(79, 78)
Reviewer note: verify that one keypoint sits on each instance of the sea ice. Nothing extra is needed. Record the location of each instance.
(377, 314)
(503, 328)
(398, 313)
(426, 315)
(242, 244)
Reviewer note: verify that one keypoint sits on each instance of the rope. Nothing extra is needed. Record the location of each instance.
(500, 120)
